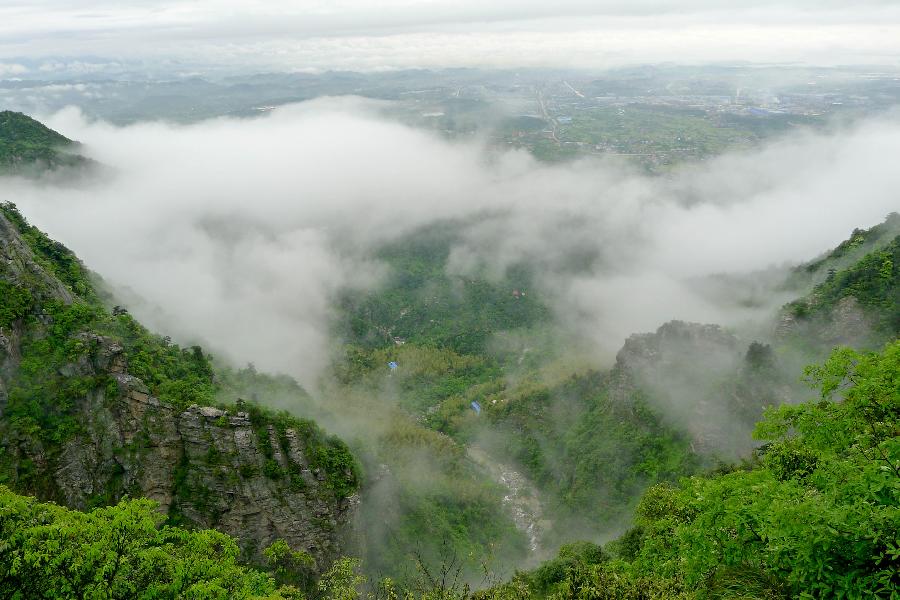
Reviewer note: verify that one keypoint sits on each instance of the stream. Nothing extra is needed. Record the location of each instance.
(521, 499)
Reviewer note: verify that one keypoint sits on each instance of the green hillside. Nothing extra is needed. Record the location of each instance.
(590, 442)
(29, 147)
(423, 304)
(847, 253)
(94, 408)
(815, 513)
(872, 283)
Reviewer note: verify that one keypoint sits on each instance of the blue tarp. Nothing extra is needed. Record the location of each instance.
(476, 407)
(392, 365)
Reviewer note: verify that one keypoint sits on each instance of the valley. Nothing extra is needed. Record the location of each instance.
(504, 397)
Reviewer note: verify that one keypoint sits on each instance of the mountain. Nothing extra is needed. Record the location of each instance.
(856, 301)
(812, 505)
(28, 147)
(94, 408)
(483, 433)
(813, 512)
(588, 442)
(849, 252)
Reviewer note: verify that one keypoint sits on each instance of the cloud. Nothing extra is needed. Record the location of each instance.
(239, 233)
(7, 69)
(354, 34)
(588, 44)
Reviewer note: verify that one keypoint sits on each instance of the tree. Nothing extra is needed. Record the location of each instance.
(820, 514)
(121, 551)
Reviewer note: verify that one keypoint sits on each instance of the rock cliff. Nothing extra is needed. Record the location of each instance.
(77, 426)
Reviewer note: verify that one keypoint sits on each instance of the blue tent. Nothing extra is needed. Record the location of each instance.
(392, 365)
(476, 407)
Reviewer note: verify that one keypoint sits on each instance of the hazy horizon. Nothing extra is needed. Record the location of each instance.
(95, 36)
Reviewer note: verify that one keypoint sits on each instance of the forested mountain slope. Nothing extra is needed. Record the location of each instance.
(857, 305)
(678, 401)
(589, 442)
(815, 512)
(27, 147)
(846, 254)
(94, 408)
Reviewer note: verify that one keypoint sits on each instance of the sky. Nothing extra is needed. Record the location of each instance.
(89, 36)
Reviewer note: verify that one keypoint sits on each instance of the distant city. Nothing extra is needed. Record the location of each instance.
(655, 117)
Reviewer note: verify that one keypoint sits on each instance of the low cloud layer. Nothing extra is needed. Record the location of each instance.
(239, 233)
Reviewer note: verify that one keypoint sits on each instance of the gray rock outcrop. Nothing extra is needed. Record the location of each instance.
(252, 477)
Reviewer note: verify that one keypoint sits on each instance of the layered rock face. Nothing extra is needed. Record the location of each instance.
(253, 476)
(204, 464)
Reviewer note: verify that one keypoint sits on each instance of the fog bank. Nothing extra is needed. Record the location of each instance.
(239, 233)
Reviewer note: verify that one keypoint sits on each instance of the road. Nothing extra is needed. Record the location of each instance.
(548, 118)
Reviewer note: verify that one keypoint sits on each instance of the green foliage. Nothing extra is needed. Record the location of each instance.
(426, 376)
(247, 384)
(874, 282)
(865, 268)
(423, 304)
(120, 551)
(15, 303)
(818, 517)
(343, 581)
(58, 368)
(57, 329)
(614, 581)
(860, 243)
(42, 395)
(324, 452)
(432, 506)
(592, 454)
(53, 256)
(554, 571)
(180, 376)
(17, 127)
(293, 567)
(459, 339)
(26, 145)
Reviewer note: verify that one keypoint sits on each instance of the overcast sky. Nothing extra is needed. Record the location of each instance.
(366, 35)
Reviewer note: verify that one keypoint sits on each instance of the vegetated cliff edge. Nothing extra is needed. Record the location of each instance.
(29, 148)
(94, 408)
(858, 305)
